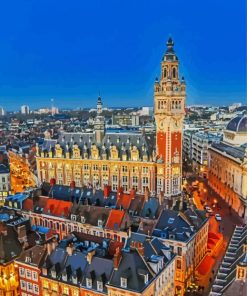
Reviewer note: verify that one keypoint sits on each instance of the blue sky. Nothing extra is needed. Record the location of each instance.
(71, 50)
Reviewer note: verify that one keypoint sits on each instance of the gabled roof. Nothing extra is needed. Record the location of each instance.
(115, 219)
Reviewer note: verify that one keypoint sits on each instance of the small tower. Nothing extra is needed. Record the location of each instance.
(99, 125)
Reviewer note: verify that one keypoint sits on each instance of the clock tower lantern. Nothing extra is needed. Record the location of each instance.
(169, 104)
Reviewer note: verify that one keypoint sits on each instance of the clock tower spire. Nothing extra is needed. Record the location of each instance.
(169, 103)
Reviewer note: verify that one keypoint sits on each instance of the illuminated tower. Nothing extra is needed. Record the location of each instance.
(99, 125)
(169, 102)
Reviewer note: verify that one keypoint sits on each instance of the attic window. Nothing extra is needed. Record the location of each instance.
(146, 278)
(73, 217)
(100, 223)
(99, 286)
(123, 283)
(83, 220)
(89, 283)
(170, 220)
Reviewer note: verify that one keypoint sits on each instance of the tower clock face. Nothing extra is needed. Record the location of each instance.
(161, 124)
(176, 123)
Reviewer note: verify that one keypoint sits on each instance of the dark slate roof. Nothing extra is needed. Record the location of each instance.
(91, 214)
(236, 152)
(150, 208)
(36, 254)
(101, 269)
(84, 195)
(4, 169)
(179, 226)
(145, 143)
(238, 124)
(131, 266)
(10, 247)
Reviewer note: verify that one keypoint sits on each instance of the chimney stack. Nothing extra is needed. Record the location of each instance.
(117, 258)
(69, 249)
(146, 195)
(90, 255)
(107, 190)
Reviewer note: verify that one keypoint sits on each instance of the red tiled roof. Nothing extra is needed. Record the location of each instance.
(124, 201)
(57, 207)
(28, 205)
(114, 220)
(206, 265)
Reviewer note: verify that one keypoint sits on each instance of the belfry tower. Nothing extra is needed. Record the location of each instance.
(169, 103)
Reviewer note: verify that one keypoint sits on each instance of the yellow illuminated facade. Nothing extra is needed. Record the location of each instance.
(130, 160)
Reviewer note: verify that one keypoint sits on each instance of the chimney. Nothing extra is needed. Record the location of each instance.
(49, 248)
(90, 255)
(107, 190)
(140, 249)
(54, 244)
(117, 258)
(119, 191)
(22, 233)
(94, 190)
(161, 197)
(132, 193)
(146, 195)
(69, 249)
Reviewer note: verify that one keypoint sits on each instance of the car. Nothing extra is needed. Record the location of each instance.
(218, 217)
(208, 209)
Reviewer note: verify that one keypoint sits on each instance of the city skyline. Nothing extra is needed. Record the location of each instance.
(99, 51)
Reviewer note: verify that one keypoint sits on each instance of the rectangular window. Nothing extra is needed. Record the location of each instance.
(114, 178)
(124, 169)
(125, 179)
(104, 168)
(36, 289)
(29, 287)
(23, 285)
(145, 170)
(123, 282)
(35, 276)
(85, 167)
(22, 272)
(28, 274)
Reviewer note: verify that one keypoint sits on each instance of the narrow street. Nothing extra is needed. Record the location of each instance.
(203, 196)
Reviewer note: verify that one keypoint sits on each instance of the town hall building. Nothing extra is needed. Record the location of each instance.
(132, 160)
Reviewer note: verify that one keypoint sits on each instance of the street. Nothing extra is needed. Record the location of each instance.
(203, 195)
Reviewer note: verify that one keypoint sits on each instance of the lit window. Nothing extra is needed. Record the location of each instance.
(23, 285)
(29, 287)
(28, 274)
(36, 289)
(35, 276)
(22, 272)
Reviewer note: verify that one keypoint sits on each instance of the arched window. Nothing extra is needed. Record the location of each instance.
(174, 74)
(165, 73)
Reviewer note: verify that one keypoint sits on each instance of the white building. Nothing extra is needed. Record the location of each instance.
(25, 109)
(2, 111)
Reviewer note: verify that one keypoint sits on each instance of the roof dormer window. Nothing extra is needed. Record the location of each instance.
(99, 286)
(123, 282)
(83, 220)
(89, 283)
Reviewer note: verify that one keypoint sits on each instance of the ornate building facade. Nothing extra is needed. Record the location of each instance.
(130, 160)
(228, 166)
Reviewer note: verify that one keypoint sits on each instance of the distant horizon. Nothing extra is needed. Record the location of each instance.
(117, 107)
(115, 48)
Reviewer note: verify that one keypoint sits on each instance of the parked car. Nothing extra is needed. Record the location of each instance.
(218, 217)
(208, 209)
